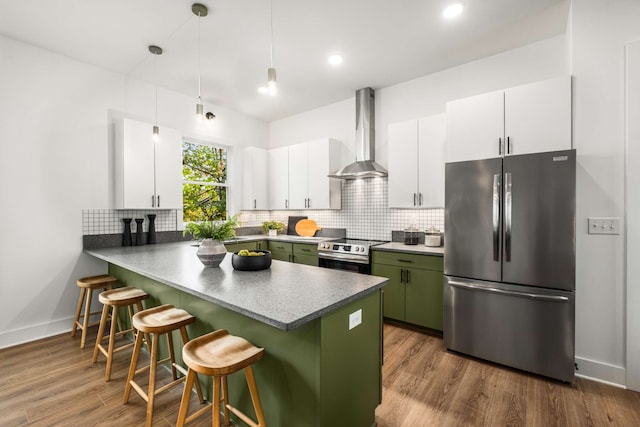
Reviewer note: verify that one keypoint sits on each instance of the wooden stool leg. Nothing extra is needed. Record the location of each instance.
(103, 322)
(112, 343)
(216, 401)
(85, 320)
(225, 400)
(78, 310)
(186, 395)
(147, 339)
(132, 368)
(152, 379)
(253, 390)
(185, 339)
(172, 355)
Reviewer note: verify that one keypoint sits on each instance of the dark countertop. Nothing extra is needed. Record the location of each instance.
(285, 296)
(414, 249)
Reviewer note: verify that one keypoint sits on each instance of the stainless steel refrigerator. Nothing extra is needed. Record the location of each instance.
(509, 261)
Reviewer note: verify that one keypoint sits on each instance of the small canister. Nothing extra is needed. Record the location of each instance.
(411, 235)
(432, 237)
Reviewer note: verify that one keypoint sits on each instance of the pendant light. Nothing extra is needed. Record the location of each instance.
(199, 10)
(272, 83)
(156, 50)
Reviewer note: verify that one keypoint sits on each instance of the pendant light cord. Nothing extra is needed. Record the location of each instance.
(271, 24)
(199, 73)
(155, 65)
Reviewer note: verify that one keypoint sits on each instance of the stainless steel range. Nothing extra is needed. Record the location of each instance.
(347, 254)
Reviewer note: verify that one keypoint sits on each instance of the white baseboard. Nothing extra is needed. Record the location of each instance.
(601, 372)
(35, 332)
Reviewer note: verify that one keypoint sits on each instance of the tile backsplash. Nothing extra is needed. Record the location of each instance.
(109, 221)
(365, 215)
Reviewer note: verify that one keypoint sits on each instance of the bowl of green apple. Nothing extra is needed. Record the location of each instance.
(246, 260)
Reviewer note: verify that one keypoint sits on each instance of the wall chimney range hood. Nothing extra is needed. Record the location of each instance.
(365, 165)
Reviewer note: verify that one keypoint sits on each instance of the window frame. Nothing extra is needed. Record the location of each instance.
(226, 185)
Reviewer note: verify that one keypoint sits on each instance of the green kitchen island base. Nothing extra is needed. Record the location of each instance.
(326, 372)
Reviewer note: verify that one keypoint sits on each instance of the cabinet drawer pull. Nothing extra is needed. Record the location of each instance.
(305, 250)
(405, 260)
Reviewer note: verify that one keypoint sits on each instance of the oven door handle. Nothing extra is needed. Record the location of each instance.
(343, 257)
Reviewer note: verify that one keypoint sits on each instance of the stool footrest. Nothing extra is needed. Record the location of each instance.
(198, 413)
(141, 392)
(115, 350)
(242, 416)
(168, 386)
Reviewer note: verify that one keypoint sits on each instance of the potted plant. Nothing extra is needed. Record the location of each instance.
(212, 251)
(272, 227)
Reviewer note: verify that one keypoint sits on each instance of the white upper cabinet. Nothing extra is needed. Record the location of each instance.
(525, 119)
(475, 127)
(416, 163)
(148, 174)
(279, 178)
(299, 175)
(255, 179)
(538, 116)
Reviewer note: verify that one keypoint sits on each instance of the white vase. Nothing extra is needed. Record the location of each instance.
(273, 232)
(211, 252)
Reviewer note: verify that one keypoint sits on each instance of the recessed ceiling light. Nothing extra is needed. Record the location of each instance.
(335, 59)
(453, 10)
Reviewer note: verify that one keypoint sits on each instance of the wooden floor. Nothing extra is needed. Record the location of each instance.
(52, 382)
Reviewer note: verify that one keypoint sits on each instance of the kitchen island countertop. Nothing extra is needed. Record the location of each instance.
(285, 296)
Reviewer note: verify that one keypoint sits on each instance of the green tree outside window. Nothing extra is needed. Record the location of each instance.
(204, 173)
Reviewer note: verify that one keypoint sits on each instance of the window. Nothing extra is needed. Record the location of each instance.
(204, 189)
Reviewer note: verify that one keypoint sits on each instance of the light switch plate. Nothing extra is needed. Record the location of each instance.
(608, 225)
(355, 319)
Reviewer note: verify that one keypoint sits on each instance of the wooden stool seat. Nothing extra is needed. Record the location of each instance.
(219, 354)
(112, 300)
(156, 321)
(162, 319)
(88, 285)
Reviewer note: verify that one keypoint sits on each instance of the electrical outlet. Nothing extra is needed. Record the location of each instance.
(603, 225)
(355, 319)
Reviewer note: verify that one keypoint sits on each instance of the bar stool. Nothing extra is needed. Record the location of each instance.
(112, 300)
(219, 354)
(89, 283)
(157, 321)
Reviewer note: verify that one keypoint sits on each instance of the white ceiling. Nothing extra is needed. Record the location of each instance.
(383, 42)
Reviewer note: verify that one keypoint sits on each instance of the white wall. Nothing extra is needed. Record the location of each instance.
(424, 96)
(54, 161)
(600, 30)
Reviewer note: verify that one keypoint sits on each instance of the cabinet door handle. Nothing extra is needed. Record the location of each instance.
(420, 199)
(153, 201)
(402, 275)
(309, 203)
(408, 276)
(158, 201)
(414, 199)
(286, 203)
(255, 204)
(508, 145)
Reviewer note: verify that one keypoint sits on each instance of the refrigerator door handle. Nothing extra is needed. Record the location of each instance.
(508, 209)
(554, 298)
(496, 217)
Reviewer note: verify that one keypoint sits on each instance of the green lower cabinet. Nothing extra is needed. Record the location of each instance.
(424, 298)
(414, 293)
(394, 292)
(281, 251)
(304, 253)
